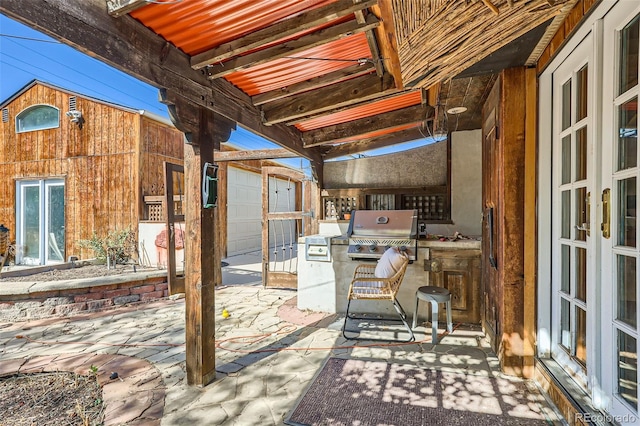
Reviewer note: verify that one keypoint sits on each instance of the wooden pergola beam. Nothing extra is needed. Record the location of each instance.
(279, 31)
(134, 49)
(328, 99)
(119, 8)
(362, 145)
(389, 120)
(373, 44)
(314, 83)
(257, 154)
(387, 41)
(290, 48)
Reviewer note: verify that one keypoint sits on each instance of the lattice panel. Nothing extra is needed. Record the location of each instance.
(155, 212)
(429, 207)
(336, 207)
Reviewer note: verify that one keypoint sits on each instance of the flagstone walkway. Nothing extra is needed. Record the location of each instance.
(268, 353)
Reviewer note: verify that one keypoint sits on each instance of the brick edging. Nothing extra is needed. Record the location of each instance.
(76, 300)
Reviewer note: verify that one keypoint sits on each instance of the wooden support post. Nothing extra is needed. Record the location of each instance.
(510, 223)
(530, 230)
(200, 270)
(204, 130)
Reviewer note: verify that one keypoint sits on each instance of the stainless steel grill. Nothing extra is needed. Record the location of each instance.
(371, 232)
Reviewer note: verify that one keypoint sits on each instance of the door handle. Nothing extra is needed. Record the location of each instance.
(585, 225)
(605, 226)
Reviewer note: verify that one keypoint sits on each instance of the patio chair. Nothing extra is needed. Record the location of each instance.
(381, 281)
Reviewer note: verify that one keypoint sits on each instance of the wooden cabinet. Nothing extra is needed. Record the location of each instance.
(458, 270)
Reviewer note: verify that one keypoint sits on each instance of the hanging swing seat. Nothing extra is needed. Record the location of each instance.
(375, 282)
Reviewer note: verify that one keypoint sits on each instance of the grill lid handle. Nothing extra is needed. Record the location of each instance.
(381, 220)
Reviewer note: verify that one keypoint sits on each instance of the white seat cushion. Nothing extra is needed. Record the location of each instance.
(390, 263)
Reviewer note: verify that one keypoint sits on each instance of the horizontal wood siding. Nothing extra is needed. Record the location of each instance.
(96, 163)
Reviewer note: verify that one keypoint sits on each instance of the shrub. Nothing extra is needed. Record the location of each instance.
(121, 245)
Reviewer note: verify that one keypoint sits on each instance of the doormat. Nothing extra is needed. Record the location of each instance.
(375, 393)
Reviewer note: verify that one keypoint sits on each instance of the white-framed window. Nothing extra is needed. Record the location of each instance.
(37, 117)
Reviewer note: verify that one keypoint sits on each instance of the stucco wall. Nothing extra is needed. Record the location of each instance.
(424, 166)
(466, 185)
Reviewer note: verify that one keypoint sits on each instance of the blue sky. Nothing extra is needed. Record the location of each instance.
(27, 54)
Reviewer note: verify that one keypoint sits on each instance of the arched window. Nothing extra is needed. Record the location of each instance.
(37, 117)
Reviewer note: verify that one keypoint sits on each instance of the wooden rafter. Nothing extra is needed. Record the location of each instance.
(119, 8)
(292, 47)
(134, 49)
(328, 99)
(362, 145)
(256, 154)
(373, 44)
(387, 42)
(314, 83)
(389, 120)
(279, 31)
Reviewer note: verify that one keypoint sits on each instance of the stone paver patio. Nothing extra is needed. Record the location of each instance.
(268, 353)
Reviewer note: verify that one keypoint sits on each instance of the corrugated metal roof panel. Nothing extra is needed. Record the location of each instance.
(389, 104)
(285, 71)
(198, 25)
(378, 133)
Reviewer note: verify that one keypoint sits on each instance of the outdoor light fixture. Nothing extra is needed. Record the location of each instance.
(76, 117)
(456, 110)
(209, 186)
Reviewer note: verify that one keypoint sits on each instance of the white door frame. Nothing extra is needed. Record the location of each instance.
(614, 22)
(566, 73)
(44, 240)
(600, 365)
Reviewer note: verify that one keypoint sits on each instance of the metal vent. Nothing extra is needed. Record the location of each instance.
(72, 103)
(5, 115)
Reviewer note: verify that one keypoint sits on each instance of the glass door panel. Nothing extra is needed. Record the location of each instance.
(55, 223)
(628, 369)
(31, 227)
(628, 70)
(581, 335)
(566, 159)
(627, 135)
(627, 302)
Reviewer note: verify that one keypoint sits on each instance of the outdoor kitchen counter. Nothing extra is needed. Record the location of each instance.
(323, 286)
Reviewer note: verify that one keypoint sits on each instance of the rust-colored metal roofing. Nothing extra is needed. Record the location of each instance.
(377, 133)
(198, 25)
(390, 104)
(283, 72)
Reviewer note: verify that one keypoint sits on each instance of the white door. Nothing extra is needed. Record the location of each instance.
(40, 234)
(620, 175)
(573, 255)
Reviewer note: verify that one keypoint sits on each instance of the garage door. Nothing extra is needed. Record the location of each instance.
(244, 210)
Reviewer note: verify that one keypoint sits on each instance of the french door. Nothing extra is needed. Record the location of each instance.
(40, 234)
(620, 176)
(595, 255)
(573, 194)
